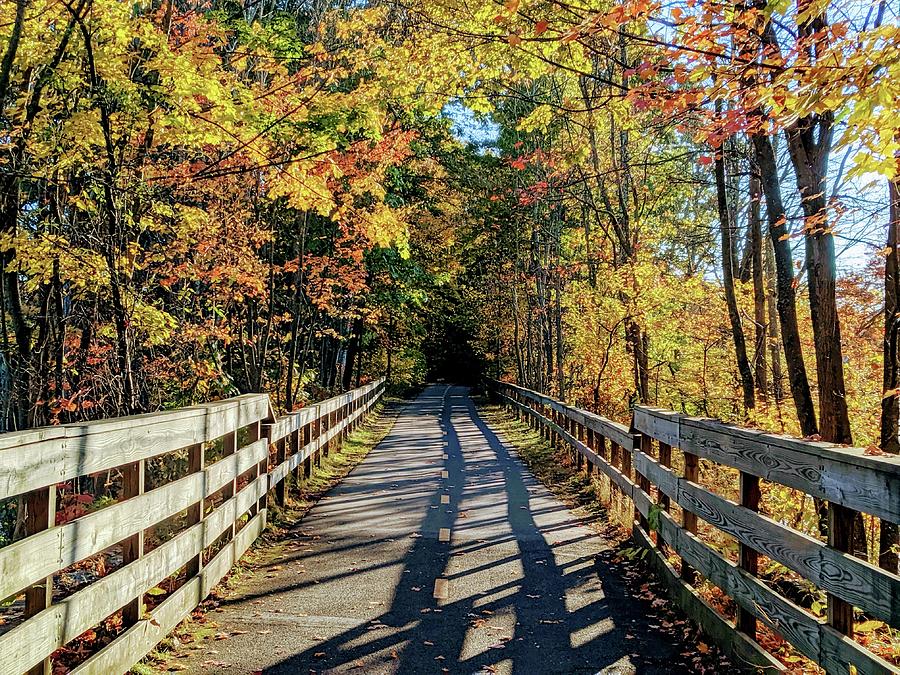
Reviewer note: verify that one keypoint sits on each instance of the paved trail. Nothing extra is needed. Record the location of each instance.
(526, 591)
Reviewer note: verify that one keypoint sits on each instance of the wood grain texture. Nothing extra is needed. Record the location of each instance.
(849, 578)
(39, 637)
(846, 476)
(138, 640)
(820, 469)
(43, 457)
(41, 555)
(99, 446)
(737, 645)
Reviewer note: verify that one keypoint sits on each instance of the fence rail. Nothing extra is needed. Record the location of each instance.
(216, 510)
(638, 463)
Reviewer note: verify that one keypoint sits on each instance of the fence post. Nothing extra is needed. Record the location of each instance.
(665, 459)
(689, 518)
(746, 621)
(196, 464)
(133, 548)
(840, 537)
(590, 441)
(40, 515)
(645, 443)
(296, 447)
(281, 488)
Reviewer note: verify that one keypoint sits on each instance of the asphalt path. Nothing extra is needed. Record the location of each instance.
(441, 553)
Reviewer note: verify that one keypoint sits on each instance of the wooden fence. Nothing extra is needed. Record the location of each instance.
(231, 454)
(638, 462)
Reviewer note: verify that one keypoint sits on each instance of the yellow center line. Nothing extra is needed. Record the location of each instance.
(444, 534)
(445, 474)
(441, 589)
(445, 499)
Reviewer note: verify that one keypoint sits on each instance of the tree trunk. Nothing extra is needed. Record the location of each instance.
(809, 157)
(390, 350)
(352, 353)
(890, 404)
(772, 330)
(636, 342)
(737, 331)
(784, 283)
(759, 290)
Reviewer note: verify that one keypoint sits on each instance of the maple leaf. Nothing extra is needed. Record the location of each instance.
(541, 27)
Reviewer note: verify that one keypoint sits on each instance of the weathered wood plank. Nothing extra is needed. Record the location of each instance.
(41, 555)
(231, 466)
(737, 645)
(843, 575)
(811, 636)
(99, 446)
(138, 640)
(841, 475)
(870, 587)
(657, 423)
(54, 627)
(608, 469)
(839, 652)
(128, 441)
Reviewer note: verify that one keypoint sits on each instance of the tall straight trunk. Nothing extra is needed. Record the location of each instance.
(390, 350)
(772, 329)
(294, 345)
(786, 303)
(636, 342)
(737, 330)
(759, 291)
(809, 156)
(560, 373)
(520, 366)
(352, 353)
(890, 404)
(9, 56)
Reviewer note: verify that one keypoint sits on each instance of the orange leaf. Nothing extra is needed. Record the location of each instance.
(540, 27)
(514, 39)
